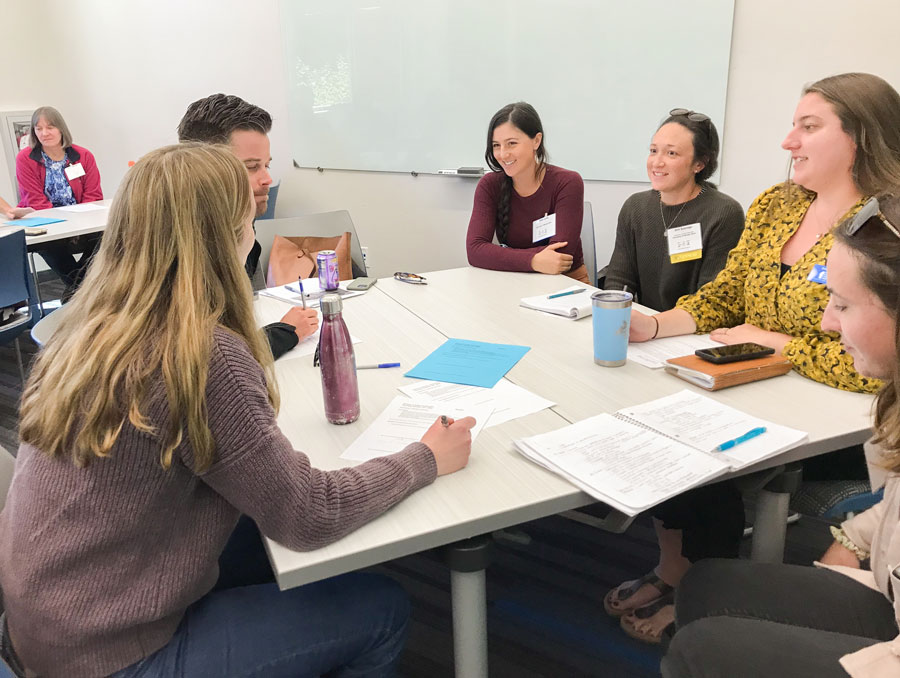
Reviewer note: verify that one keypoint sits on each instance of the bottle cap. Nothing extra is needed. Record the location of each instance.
(331, 304)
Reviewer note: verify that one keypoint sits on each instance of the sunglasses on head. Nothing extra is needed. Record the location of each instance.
(690, 115)
(870, 210)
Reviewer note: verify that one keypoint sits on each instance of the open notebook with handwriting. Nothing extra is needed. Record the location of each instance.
(640, 456)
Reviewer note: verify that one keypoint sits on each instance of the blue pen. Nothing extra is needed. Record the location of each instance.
(749, 435)
(302, 296)
(565, 294)
(377, 366)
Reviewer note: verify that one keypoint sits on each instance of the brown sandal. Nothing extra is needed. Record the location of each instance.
(649, 623)
(627, 589)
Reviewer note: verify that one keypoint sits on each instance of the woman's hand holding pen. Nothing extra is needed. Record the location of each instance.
(450, 443)
(304, 320)
(549, 261)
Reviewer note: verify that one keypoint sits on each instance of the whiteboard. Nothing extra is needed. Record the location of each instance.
(411, 85)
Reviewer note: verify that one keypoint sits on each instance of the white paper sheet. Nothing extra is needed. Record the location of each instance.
(508, 400)
(574, 306)
(405, 421)
(704, 423)
(307, 346)
(655, 353)
(626, 466)
(290, 293)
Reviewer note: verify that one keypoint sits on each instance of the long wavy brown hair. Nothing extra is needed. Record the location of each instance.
(877, 251)
(167, 274)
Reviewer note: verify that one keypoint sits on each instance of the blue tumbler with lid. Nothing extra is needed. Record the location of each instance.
(611, 315)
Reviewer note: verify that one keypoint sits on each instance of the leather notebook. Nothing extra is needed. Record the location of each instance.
(714, 377)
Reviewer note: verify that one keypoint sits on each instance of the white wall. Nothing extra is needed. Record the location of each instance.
(124, 72)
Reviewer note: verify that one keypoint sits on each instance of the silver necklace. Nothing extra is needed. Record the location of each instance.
(662, 216)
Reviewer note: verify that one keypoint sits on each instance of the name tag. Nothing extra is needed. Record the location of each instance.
(74, 171)
(685, 243)
(818, 274)
(543, 228)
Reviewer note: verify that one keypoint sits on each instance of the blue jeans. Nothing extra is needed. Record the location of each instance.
(351, 626)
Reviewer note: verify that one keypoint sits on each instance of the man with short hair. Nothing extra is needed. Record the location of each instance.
(228, 119)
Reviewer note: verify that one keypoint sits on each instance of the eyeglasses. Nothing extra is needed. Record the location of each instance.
(869, 210)
(690, 115)
(411, 278)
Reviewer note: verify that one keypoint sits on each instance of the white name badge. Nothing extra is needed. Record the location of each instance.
(74, 171)
(685, 243)
(543, 228)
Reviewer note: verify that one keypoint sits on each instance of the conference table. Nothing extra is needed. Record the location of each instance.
(499, 488)
(82, 221)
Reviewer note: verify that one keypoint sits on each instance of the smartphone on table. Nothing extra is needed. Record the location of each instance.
(733, 353)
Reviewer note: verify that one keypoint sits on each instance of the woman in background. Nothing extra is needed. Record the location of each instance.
(54, 172)
(533, 208)
(683, 155)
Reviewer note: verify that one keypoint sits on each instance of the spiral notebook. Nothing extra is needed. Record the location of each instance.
(640, 456)
(573, 302)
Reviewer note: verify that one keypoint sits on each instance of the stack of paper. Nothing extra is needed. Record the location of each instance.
(311, 292)
(656, 352)
(507, 400)
(575, 306)
(405, 421)
(643, 455)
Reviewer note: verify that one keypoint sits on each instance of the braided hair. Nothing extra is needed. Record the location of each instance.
(522, 116)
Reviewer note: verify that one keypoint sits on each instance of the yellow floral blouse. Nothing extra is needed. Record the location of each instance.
(750, 289)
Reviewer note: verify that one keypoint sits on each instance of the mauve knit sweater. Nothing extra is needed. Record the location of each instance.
(98, 564)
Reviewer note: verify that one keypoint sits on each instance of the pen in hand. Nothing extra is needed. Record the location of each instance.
(444, 421)
(302, 296)
(565, 294)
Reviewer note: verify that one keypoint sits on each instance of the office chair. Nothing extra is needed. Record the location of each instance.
(16, 287)
(321, 224)
(587, 243)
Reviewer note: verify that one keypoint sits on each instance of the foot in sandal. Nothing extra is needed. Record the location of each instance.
(648, 623)
(631, 595)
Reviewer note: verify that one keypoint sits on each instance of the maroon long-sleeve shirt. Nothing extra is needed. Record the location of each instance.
(561, 193)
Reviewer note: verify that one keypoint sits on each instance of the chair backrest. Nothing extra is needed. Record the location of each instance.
(587, 243)
(15, 278)
(322, 224)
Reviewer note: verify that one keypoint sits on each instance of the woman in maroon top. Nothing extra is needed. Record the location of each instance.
(533, 208)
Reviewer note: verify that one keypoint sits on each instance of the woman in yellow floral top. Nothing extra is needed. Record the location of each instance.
(845, 147)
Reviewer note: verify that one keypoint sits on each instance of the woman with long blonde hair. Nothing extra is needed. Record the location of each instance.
(148, 426)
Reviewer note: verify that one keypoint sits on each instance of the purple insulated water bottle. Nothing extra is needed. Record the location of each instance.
(338, 365)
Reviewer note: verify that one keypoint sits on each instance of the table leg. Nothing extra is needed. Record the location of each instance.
(468, 561)
(770, 522)
(770, 526)
(37, 287)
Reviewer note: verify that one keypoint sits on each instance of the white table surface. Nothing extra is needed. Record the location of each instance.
(498, 488)
(76, 223)
(483, 305)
